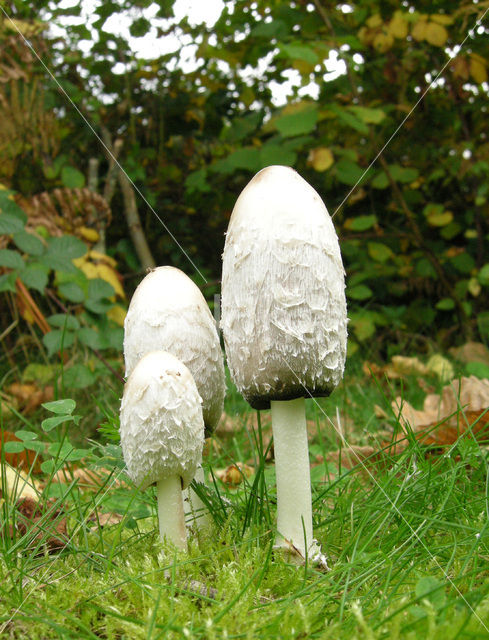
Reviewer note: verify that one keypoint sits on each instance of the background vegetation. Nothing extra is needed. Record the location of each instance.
(111, 163)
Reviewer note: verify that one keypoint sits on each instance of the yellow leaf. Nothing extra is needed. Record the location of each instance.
(460, 68)
(398, 27)
(441, 367)
(474, 287)
(96, 256)
(440, 219)
(374, 21)
(88, 268)
(117, 314)
(477, 67)
(320, 159)
(110, 275)
(91, 235)
(419, 29)
(383, 41)
(441, 18)
(436, 34)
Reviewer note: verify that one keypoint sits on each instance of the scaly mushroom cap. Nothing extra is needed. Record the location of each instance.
(162, 428)
(283, 291)
(168, 311)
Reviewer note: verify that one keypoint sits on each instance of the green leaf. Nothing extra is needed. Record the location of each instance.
(483, 275)
(71, 291)
(245, 158)
(368, 115)
(379, 252)
(349, 119)
(349, 172)
(78, 376)
(271, 154)
(57, 340)
(463, 262)
(26, 435)
(50, 466)
(361, 223)
(363, 326)
(28, 243)
(431, 589)
(300, 52)
(64, 320)
(360, 292)
(77, 454)
(72, 178)
(35, 276)
(98, 288)
(61, 251)
(7, 282)
(35, 445)
(11, 209)
(478, 369)
(402, 174)
(63, 406)
(43, 374)
(11, 259)
(197, 181)
(299, 123)
(91, 338)
(446, 304)
(13, 447)
(381, 181)
(10, 224)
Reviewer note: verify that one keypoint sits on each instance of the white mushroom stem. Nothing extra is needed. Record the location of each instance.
(294, 506)
(171, 515)
(195, 510)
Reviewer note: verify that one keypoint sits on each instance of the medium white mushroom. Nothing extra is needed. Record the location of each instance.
(162, 435)
(284, 324)
(169, 312)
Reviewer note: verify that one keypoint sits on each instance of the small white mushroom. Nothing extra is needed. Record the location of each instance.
(284, 325)
(169, 312)
(162, 435)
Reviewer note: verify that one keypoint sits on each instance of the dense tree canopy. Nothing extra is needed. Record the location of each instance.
(386, 116)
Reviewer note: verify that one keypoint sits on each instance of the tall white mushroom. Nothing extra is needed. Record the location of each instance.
(284, 324)
(169, 312)
(162, 435)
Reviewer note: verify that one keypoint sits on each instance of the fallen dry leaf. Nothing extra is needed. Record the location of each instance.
(234, 474)
(44, 521)
(16, 485)
(29, 396)
(471, 352)
(88, 479)
(462, 404)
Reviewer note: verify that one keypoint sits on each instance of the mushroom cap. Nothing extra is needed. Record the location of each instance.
(283, 291)
(169, 312)
(162, 428)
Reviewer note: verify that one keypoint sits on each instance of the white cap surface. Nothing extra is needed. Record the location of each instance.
(162, 428)
(283, 291)
(169, 312)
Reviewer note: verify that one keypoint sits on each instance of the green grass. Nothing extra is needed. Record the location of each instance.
(407, 544)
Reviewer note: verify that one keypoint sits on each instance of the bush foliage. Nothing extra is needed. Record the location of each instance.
(385, 115)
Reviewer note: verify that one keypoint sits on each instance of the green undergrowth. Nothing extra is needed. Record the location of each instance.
(406, 538)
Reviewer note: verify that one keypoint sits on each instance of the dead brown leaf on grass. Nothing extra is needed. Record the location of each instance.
(234, 474)
(461, 407)
(87, 479)
(44, 522)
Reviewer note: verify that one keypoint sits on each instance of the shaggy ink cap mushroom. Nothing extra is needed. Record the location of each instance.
(284, 325)
(162, 434)
(283, 291)
(168, 311)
